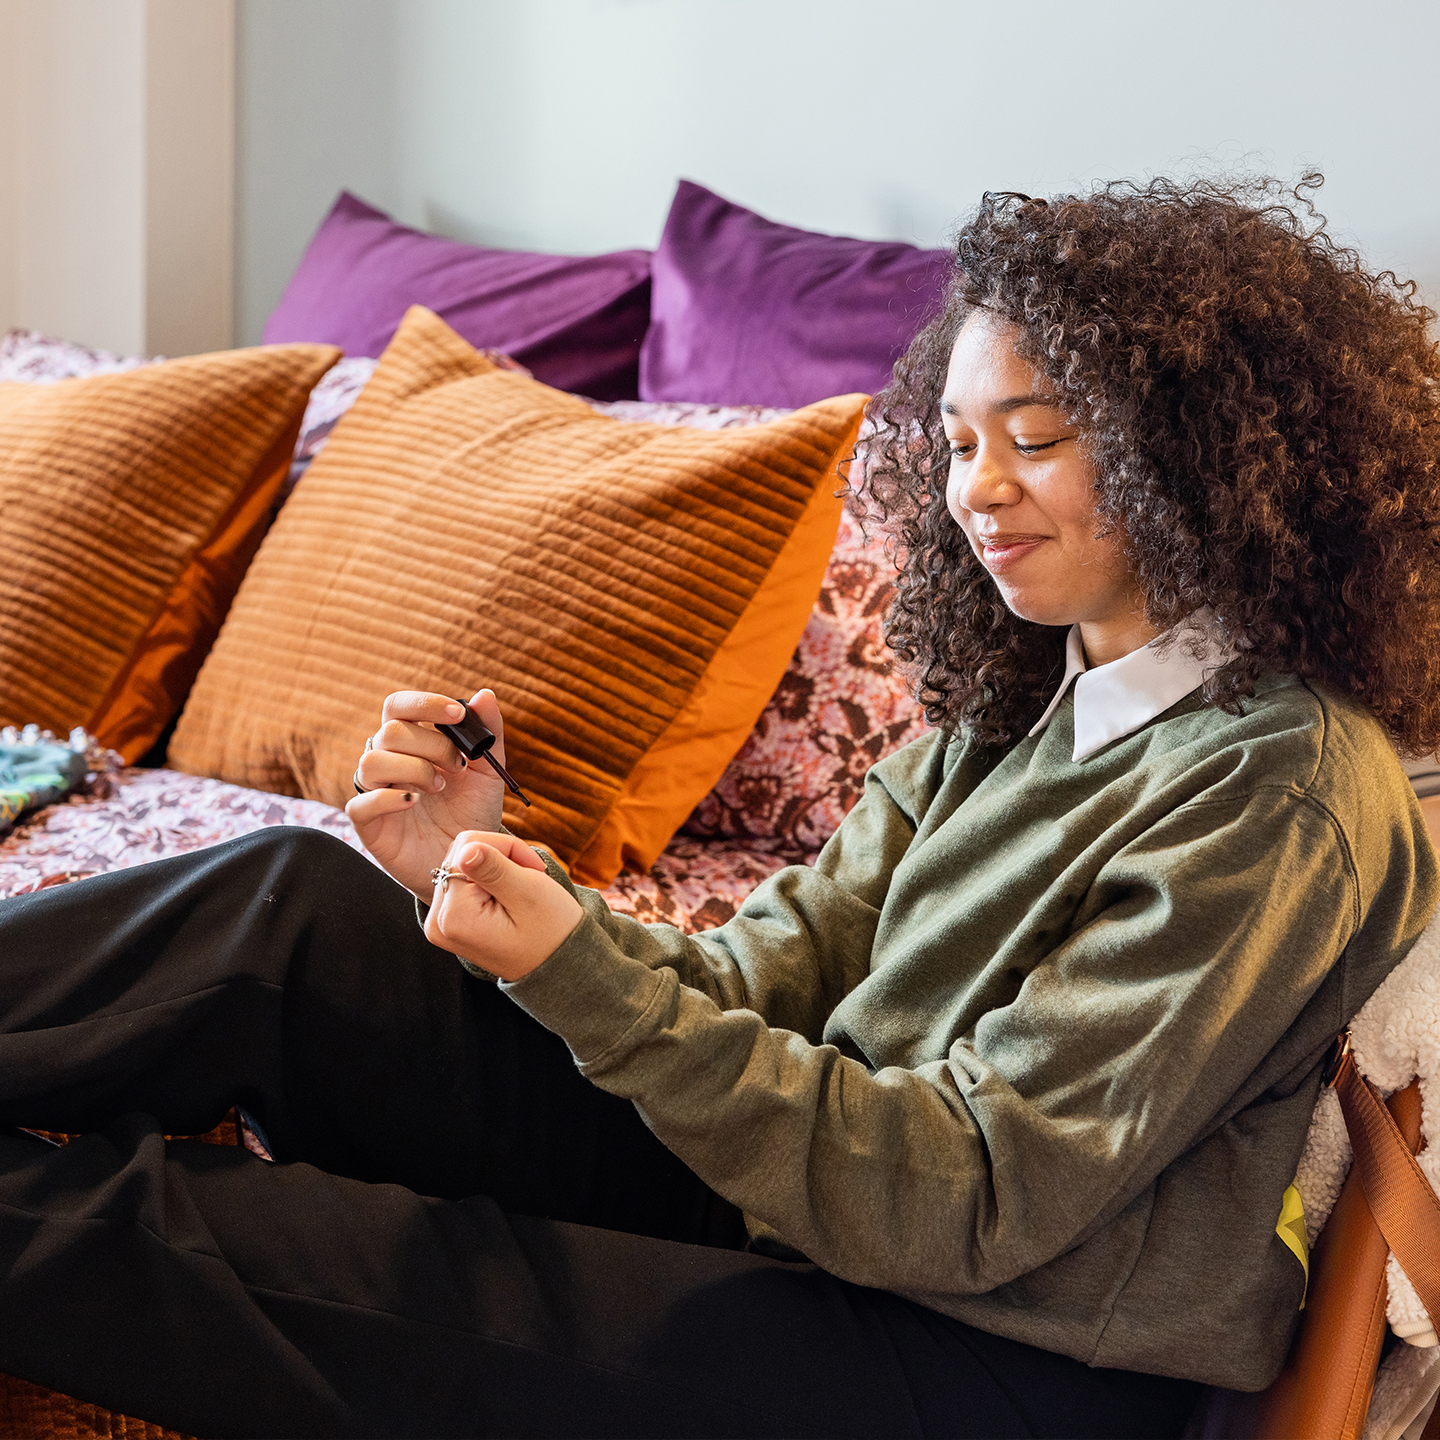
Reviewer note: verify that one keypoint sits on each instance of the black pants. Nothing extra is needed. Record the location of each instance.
(462, 1235)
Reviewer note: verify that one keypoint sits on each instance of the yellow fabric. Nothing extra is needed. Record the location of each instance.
(132, 503)
(1290, 1227)
(631, 592)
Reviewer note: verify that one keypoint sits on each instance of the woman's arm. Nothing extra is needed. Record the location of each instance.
(972, 1168)
(798, 945)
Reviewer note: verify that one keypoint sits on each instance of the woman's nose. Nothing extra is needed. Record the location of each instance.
(979, 484)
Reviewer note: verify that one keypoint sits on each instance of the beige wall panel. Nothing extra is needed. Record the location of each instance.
(189, 174)
(9, 156)
(80, 170)
(117, 171)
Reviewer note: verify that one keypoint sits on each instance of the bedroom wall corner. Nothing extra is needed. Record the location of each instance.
(116, 172)
(189, 176)
(9, 159)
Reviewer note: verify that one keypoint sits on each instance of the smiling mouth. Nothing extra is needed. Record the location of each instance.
(999, 552)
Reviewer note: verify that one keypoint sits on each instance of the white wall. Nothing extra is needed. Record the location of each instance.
(189, 176)
(9, 153)
(563, 124)
(315, 114)
(116, 181)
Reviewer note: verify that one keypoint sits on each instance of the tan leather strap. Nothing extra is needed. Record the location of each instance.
(1401, 1199)
(1324, 1390)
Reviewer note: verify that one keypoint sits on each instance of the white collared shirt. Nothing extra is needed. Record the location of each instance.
(1117, 699)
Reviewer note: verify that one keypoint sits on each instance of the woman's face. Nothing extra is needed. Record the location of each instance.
(1023, 492)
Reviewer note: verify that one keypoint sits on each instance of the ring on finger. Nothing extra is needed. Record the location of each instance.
(355, 778)
(442, 877)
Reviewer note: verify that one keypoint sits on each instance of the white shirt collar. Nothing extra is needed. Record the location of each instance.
(1117, 699)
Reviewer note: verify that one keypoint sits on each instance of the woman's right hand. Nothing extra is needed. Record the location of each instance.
(419, 791)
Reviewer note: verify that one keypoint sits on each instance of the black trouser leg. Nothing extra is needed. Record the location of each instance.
(285, 973)
(201, 1287)
(212, 1292)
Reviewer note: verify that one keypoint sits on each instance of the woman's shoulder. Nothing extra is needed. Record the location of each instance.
(1330, 753)
(937, 759)
(1322, 742)
(1360, 782)
(1292, 731)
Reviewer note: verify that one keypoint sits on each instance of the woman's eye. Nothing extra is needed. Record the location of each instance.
(959, 452)
(1026, 447)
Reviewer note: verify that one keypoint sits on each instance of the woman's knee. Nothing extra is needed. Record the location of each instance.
(301, 842)
(283, 856)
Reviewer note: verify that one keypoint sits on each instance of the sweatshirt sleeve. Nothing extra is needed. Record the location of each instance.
(967, 1170)
(821, 919)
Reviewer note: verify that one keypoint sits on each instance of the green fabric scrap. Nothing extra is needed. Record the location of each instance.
(36, 775)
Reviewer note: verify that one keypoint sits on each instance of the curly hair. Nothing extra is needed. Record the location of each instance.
(1261, 414)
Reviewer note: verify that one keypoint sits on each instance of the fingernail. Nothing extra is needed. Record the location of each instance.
(454, 712)
(470, 854)
(439, 782)
(409, 799)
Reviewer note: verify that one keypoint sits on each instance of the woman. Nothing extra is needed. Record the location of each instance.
(1000, 1098)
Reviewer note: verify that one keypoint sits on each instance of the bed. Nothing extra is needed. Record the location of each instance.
(729, 330)
(836, 706)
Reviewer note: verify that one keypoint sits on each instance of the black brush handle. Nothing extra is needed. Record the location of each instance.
(474, 739)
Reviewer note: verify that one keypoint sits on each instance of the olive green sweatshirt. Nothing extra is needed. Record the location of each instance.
(1036, 1040)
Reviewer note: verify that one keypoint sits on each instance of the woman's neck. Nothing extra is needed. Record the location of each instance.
(1107, 640)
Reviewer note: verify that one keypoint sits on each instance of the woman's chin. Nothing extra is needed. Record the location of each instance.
(1039, 610)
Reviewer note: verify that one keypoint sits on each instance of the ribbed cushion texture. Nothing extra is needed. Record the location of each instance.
(31, 1410)
(132, 504)
(616, 584)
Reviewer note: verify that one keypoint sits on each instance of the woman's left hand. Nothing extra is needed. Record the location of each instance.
(502, 911)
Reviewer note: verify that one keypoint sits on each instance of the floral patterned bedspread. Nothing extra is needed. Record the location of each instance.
(132, 816)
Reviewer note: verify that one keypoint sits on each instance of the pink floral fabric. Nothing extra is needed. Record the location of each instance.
(131, 816)
(694, 414)
(36, 359)
(697, 884)
(337, 391)
(840, 706)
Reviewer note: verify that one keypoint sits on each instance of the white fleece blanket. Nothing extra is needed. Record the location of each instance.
(1395, 1038)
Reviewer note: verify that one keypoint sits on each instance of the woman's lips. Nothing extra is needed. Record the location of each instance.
(1005, 551)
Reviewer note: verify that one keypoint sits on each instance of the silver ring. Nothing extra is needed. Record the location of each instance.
(442, 877)
(355, 778)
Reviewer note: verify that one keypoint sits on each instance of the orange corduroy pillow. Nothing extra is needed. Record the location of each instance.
(132, 504)
(631, 592)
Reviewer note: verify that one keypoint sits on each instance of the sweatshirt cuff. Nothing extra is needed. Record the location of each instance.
(593, 995)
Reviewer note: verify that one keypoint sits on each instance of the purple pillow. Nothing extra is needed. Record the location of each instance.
(576, 323)
(748, 312)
